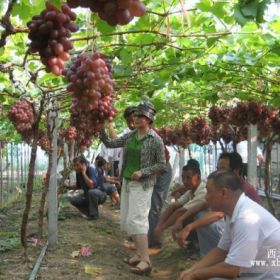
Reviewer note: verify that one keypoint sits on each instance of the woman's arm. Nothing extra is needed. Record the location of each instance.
(114, 143)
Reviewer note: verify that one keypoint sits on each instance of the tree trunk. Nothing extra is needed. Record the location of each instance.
(30, 180)
(29, 190)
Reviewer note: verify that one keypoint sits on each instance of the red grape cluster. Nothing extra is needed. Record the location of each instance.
(227, 133)
(49, 33)
(219, 115)
(228, 124)
(92, 88)
(112, 11)
(200, 131)
(44, 142)
(239, 115)
(165, 134)
(267, 123)
(22, 115)
(70, 134)
(255, 112)
(275, 123)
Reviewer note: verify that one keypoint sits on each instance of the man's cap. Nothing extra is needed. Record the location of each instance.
(146, 109)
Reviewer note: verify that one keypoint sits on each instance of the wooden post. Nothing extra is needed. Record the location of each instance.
(252, 155)
(52, 207)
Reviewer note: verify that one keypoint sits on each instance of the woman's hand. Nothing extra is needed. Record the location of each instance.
(136, 176)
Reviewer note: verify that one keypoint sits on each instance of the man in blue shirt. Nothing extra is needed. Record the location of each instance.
(105, 183)
(86, 179)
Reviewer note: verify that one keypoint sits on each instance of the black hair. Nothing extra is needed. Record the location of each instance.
(235, 160)
(192, 165)
(81, 159)
(100, 161)
(97, 157)
(226, 179)
(129, 111)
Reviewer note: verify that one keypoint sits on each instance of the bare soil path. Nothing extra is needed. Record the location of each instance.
(106, 242)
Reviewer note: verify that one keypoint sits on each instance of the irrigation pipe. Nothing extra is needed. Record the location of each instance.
(38, 263)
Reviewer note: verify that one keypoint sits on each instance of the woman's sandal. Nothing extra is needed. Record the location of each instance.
(142, 271)
(132, 261)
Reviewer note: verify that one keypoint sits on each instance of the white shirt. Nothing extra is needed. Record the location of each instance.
(189, 199)
(242, 149)
(110, 154)
(251, 236)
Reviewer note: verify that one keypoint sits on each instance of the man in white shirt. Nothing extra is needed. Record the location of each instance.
(250, 245)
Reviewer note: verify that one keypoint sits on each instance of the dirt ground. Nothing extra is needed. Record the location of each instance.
(106, 242)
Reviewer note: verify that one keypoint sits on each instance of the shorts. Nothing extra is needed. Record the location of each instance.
(108, 188)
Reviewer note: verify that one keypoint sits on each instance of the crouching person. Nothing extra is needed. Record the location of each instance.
(86, 179)
(250, 236)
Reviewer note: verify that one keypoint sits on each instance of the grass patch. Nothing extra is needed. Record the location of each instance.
(101, 229)
(9, 244)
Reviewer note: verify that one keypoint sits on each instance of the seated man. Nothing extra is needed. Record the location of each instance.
(178, 191)
(187, 202)
(86, 179)
(251, 235)
(209, 225)
(106, 183)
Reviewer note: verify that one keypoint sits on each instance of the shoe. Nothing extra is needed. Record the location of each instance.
(145, 271)
(131, 262)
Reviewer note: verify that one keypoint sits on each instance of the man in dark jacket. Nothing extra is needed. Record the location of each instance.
(86, 179)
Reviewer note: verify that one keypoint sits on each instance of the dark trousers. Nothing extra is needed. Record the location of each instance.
(158, 197)
(88, 203)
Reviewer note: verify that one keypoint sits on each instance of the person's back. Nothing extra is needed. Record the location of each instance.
(255, 235)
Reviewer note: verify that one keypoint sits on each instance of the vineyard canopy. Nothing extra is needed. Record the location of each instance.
(184, 56)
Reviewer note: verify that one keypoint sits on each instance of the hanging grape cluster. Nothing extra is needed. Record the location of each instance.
(44, 142)
(200, 131)
(112, 11)
(49, 33)
(22, 115)
(70, 134)
(219, 115)
(227, 123)
(92, 88)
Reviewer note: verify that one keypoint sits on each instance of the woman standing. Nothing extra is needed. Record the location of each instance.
(143, 159)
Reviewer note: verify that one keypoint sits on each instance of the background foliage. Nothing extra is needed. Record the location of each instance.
(182, 58)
